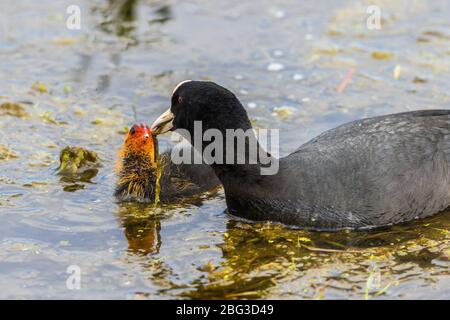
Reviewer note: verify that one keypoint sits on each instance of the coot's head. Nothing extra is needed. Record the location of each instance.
(139, 141)
(205, 101)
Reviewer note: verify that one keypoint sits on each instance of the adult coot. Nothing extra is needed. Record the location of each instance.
(137, 169)
(364, 174)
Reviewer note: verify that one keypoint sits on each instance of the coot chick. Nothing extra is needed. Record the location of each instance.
(364, 174)
(138, 170)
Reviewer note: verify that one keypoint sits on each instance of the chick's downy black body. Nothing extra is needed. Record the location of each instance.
(364, 174)
(177, 182)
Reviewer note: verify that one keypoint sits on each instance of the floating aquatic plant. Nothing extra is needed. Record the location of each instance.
(6, 154)
(12, 109)
(39, 87)
(382, 55)
(76, 159)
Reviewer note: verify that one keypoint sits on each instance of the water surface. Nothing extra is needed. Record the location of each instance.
(285, 61)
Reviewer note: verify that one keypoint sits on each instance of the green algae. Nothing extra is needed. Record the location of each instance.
(39, 87)
(13, 109)
(74, 159)
(382, 55)
(77, 167)
(6, 154)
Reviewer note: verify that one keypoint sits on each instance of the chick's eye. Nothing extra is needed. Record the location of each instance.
(180, 99)
(132, 131)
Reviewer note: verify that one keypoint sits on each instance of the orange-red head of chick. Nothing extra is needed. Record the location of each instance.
(139, 141)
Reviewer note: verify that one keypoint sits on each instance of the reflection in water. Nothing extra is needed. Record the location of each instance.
(141, 227)
(143, 236)
(85, 64)
(163, 14)
(259, 257)
(73, 183)
(104, 80)
(142, 221)
(121, 19)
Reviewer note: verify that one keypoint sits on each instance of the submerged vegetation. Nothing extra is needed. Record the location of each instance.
(77, 165)
(6, 154)
(12, 109)
(74, 160)
(268, 260)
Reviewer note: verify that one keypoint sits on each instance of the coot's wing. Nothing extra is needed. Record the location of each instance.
(386, 169)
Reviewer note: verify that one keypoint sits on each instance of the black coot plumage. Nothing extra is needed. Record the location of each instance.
(364, 174)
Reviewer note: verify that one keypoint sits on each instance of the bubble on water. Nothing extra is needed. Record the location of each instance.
(298, 77)
(278, 53)
(306, 99)
(308, 36)
(239, 77)
(243, 91)
(278, 13)
(275, 66)
(251, 105)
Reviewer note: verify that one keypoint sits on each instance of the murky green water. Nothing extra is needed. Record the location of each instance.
(284, 60)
